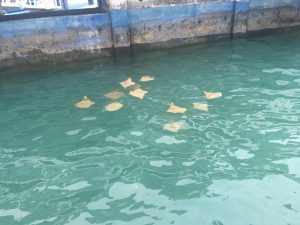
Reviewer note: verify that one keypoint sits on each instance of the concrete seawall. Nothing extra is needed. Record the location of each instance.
(133, 24)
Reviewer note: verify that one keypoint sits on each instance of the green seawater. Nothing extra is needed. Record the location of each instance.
(238, 164)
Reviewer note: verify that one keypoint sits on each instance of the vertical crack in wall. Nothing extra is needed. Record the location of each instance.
(247, 20)
(233, 19)
(112, 33)
(298, 8)
(129, 30)
(194, 14)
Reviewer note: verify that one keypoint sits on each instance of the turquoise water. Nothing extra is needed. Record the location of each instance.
(238, 164)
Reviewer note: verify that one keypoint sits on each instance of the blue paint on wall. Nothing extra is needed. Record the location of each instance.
(100, 19)
(119, 17)
(242, 6)
(30, 27)
(160, 13)
(209, 7)
(272, 3)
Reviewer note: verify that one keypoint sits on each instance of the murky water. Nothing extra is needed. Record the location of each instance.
(238, 164)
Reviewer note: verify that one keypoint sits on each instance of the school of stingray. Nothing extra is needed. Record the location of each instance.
(137, 92)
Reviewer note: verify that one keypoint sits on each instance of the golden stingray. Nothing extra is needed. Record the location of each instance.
(138, 93)
(146, 78)
(127, 83)
(114, 106)
(200, 106)
(114, 94)
(84, 103)
(176, 109)
(173, 126)
(212, 95)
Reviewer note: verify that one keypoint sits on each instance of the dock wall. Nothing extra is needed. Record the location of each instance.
(129, 25)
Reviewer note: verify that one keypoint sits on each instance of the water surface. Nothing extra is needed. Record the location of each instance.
(238, 164)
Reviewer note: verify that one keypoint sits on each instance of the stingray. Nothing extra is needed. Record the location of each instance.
(127, 83)
(146, 78)
(138, 93)
(84, 103)
(212, 95)
(200, 106)
(134, 87)
(114, 94)
(176, 109)
(114, 106)
(173, 126)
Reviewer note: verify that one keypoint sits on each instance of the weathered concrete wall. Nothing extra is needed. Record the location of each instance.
(55, 39)
(240, 17)
(164, 23)
(273, 14)
(133, 24)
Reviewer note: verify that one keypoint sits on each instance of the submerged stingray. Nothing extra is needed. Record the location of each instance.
(212, 95)
(114, 106)
(176, 109)
(114, 94)
(138, 93)
(200, 106)
(146, 78)
(84, 103)
(134, 87)
(127, 83)
(173, 126)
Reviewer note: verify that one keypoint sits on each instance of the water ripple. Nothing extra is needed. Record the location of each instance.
(61, 165)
